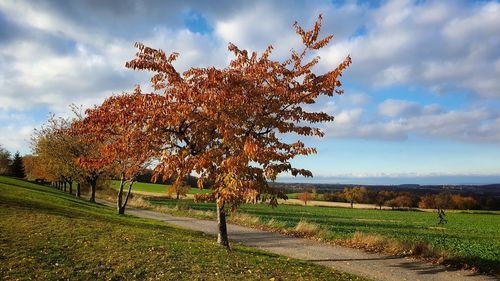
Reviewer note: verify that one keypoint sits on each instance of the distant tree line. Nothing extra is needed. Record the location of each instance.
(405, 199)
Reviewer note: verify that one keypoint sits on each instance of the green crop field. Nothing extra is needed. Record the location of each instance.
(472, 237)
(155, 188)
(46, 234)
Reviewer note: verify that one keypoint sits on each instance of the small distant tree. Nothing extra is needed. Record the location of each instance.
(355, 194)
(178, 190)
(384, 196)
(304, 197)
(314, 194)
(428, 201)
(349, 195)
(443, 201)
(16, 167)
(403, 201)
(391, 203)
(4, 161)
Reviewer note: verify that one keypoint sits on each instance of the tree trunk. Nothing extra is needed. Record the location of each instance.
(119, 208)
(126, 198)
(177, 195)
(221, 223)
(120, 204)
(78, 191)
(352, 203)
(93, 184)
(64, 184)
(71, 187)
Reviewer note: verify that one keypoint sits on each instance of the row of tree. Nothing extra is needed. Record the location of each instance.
(11, 165)
(404, 199)
(225, 125)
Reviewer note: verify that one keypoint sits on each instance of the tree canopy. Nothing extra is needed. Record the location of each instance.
(227, 124)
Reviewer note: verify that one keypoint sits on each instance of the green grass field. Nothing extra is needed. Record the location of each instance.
(156, 188)
(46, 234)
(473, 238)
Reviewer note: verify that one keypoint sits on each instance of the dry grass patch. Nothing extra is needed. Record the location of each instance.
(308, 229)
(382, 244)
(244, 219)
(275, 224)
(139, 202)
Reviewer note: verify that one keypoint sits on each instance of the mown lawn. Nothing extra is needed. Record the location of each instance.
(155, 188)
(49, 235)
(471, 237)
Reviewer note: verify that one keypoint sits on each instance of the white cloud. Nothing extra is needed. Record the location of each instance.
(347, 118)
(394, 108)
(75, 53)
(405, 118)
(257, 27)
(452, 46)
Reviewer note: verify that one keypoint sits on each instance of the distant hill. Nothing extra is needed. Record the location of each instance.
(488, 189)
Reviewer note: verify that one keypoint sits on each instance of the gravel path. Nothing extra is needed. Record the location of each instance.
(370, 265)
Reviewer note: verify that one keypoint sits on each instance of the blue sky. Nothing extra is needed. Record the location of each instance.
(422, 97)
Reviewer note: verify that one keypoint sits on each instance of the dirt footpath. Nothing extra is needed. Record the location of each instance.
(372, 266)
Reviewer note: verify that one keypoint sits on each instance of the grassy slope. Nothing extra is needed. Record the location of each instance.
(47, 235)
(472, 237)
(155, 188)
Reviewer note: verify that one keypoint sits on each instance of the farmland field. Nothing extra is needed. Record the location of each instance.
(471, 237)
(155, 188)
(46, 234)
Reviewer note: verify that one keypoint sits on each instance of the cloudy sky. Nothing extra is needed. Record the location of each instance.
(422, 97)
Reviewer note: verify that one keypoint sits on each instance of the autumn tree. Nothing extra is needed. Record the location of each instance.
(314, 193)
(443, 201)
(178, 190)
(57, 148)
(304, 197)
(34, 168)
(403, 201)
(355, 194)
(125, 150)
(227, 124)
(54, 151)
(384, 196)
(427, 201)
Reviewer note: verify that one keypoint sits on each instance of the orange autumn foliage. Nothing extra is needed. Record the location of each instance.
(227, 124)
